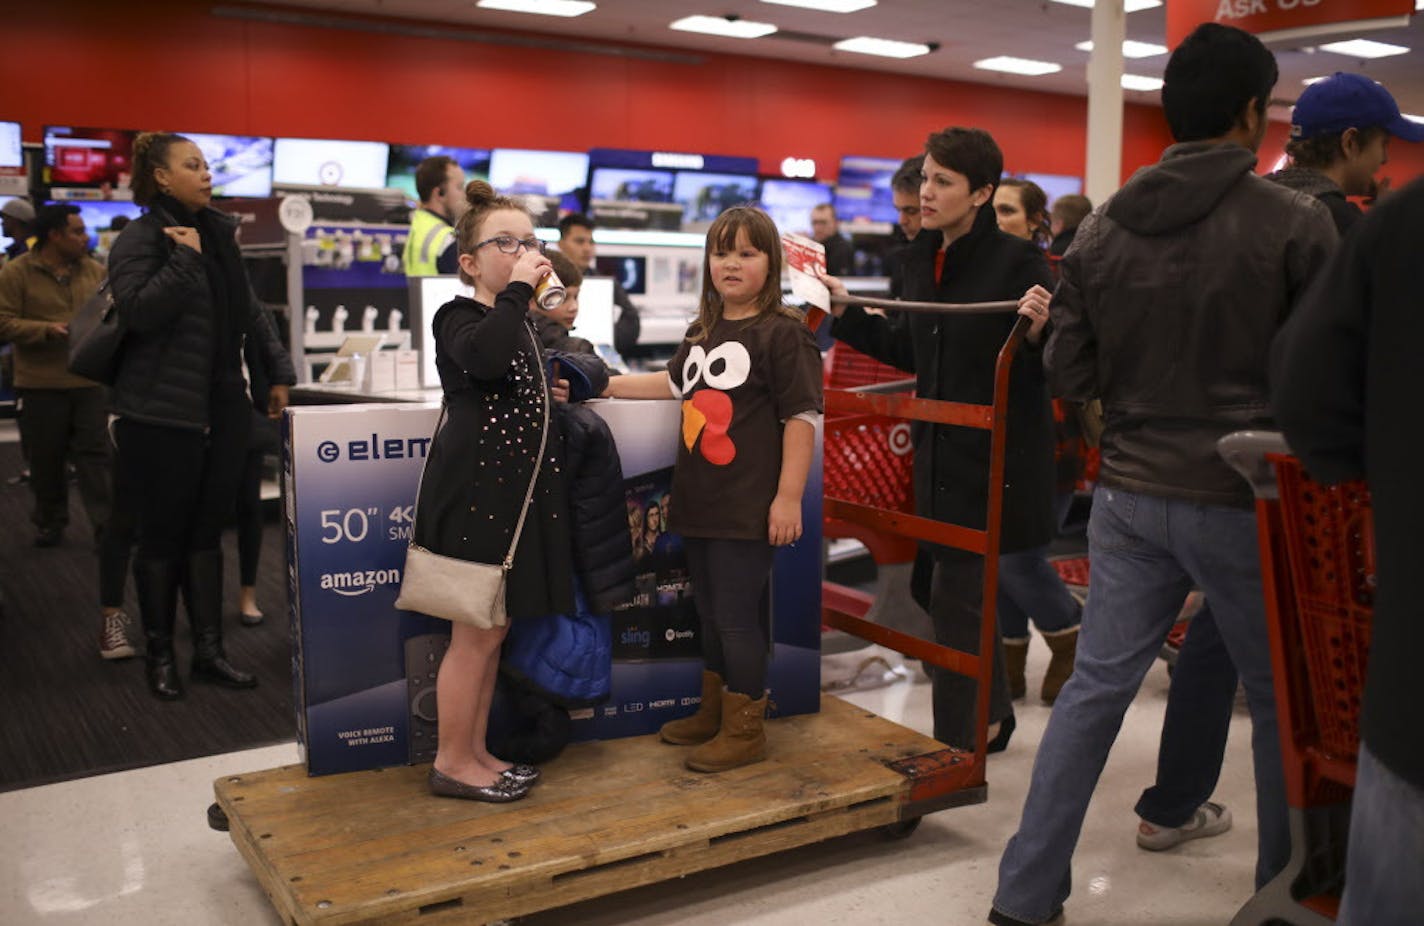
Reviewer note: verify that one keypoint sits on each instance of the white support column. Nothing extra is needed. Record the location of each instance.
(1104, 172)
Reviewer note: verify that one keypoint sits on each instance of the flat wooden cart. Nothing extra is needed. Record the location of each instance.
(375, 847)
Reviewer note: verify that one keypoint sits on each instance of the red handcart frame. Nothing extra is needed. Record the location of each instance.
(950, 777)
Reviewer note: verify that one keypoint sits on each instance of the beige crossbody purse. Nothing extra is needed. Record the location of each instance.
(456, 589)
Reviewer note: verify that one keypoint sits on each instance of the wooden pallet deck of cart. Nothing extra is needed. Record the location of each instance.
(375, 846)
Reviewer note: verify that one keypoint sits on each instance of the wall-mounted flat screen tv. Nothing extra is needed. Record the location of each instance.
(88, 157)
(400, 173)
(546, 173)
(327, 162)
(704, 196)
(241, 164)
(617, 184)
(789, 202)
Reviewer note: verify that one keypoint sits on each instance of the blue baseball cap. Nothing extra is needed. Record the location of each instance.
(1343, 101)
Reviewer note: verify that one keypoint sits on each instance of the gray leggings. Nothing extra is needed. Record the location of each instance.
(729, 581)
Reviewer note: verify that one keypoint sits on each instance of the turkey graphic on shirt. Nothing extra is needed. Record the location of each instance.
(708, 412)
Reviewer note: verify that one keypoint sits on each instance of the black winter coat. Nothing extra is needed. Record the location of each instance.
(163, 297)
(480, 463)
(165, 305)
(952, 357)
(1345, 379)
(603, 551)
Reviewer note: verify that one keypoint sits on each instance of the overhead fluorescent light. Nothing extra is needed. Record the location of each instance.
(1364, 48)
(1315, 80)
(1130, 49)
(834, 6)
(728, 28)
(541, 7)
(1138, 82)
(1011, 65)
(885, 48)
(1131, 6)
(1410, 117)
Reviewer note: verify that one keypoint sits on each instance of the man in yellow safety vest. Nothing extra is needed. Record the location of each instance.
(430, 247)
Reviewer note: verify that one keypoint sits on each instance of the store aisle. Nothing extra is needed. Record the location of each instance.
(134, 848)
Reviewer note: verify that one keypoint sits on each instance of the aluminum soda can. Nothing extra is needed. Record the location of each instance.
(550, 293)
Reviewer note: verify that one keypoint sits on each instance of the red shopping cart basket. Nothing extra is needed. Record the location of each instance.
(1317, 571)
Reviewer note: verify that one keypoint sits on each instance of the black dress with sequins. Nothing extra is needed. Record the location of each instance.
(478, 468)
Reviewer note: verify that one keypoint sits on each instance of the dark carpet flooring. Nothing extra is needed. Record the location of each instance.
(68, 713)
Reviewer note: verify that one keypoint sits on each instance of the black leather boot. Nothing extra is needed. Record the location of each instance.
(202, 595)
(156, 582)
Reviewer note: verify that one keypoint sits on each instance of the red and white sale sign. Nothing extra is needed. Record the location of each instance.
(806, 263)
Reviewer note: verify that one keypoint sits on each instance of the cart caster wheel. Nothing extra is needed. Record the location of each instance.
(901, 829)
(216, 818)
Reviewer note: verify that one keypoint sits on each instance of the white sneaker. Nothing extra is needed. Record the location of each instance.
(1211, 819)
(113, 641)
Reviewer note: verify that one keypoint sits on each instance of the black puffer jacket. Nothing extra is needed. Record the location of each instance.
(602, 550)
(161, 292)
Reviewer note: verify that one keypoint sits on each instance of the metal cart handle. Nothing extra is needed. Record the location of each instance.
(1246, 452)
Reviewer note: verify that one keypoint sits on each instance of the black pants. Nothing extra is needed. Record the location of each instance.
(729, 581)
(956, 607)
(264, 439)
(117, 543)
(61, 425)
(186, 482)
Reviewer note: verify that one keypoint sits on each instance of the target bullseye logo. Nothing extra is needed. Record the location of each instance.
(330, 173)
(900, 441)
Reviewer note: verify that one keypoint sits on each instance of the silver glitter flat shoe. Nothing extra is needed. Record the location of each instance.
(503, 791)
(521, 774)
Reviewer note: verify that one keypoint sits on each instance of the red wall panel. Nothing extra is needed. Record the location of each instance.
(171, 64)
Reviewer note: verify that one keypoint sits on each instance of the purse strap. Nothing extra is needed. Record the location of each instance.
(538, 460)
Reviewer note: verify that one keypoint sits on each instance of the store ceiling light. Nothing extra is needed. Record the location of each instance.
(885, 48)
(833, 6)
(1138, 82)
(1131, 6)
(1312, 80)
(1413, 118)
(1130, 49)
(1011, 65)
(727, 28)
(540, 7)
(1364, 48)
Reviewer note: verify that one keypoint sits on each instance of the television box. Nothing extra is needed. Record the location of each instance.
(241, 164)
(364, 673)
(329, 163)
(88, 157)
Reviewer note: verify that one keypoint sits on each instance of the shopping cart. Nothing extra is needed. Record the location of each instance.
(1318, 569)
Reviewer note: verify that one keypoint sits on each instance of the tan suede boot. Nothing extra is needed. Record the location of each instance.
(703, 725)
(1064, 646)
(1015, 656)
(741, 741)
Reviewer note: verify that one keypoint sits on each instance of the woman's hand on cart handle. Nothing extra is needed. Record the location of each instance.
(1033, 305)
(837, 288)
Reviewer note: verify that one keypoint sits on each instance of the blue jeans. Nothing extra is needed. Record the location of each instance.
(1029, 587)
(1147, 551)
(1382, 883)
(1194, 730)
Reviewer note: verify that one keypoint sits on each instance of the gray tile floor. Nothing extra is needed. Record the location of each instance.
(134, 848)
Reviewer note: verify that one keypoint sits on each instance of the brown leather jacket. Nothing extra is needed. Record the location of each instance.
(1167, 306)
